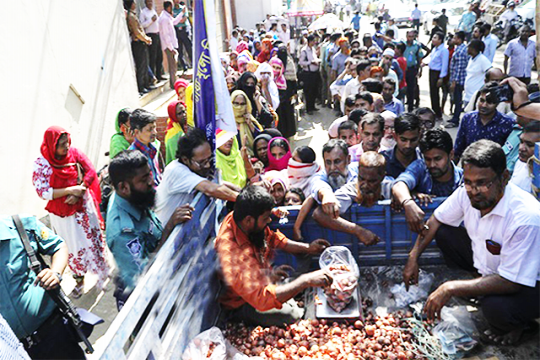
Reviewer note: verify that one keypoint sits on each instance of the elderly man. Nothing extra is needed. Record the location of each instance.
(486, 123)
(244, 244)
(133, 229)
(371, 132)
(500, 241)
(191, 171)
(370, 187)
(28, 309)
(434, 175)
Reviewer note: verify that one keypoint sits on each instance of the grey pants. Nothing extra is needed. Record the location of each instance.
(171, 65)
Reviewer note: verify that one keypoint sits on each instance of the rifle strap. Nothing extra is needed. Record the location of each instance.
(35, 264)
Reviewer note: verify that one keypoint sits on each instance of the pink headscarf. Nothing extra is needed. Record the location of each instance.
(242, 45)
(279, 79)
(278, 164)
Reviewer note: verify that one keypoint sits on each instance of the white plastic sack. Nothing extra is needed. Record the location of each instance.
(212, 345)
(415, 293)
(341, 265)
(455, 331)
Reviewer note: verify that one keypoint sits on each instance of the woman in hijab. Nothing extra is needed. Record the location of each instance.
(242, 45)
(279, 153)
(279, 185)
(180, 87)
(257, 47)
(65, 177)
(252, 66)
(231, 78)
(229, 161)
(176, 128)
(287, 121)
(269, 89)
(189, 105)
(265, 51)
(248, 126)
(233, 57)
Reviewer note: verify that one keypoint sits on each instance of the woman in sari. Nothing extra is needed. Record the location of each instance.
(265, 52)
(176, 128)
(180, 87)
(65, 177)
(248, 127)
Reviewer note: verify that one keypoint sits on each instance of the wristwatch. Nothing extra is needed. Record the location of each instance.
(59, 276)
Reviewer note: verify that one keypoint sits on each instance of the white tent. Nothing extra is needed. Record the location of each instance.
(327, 21)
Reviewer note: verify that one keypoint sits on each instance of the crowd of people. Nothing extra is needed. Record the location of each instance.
(378, 148)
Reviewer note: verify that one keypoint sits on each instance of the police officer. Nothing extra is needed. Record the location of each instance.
(24, 303)
(133, 230)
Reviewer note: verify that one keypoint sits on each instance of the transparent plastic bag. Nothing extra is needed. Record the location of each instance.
(341, 265)
(455, 331)
(415, 293)
(212, 345)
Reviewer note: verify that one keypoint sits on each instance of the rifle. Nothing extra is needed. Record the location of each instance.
(57, 295)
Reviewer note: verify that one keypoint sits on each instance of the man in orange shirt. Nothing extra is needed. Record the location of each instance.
(245, 246)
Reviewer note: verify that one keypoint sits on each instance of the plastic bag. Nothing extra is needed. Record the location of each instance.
(415, 293)
(341, 265)
(455, 331)
(212, 345)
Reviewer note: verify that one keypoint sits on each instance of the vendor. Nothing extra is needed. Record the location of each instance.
(245, 246)
(500, 240)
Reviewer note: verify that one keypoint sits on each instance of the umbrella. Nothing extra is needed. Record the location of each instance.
(327, 21)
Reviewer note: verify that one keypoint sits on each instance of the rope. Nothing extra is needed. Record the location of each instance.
(424, 344)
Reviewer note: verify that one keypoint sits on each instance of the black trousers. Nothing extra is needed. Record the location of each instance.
(434, 92)
(311, 88)
(504, 313)
(155, 56)
(140, 55)
(184, 42)
(412, 85)
(458, 102)
(55, 341)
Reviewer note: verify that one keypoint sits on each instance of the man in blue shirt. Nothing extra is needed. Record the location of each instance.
(438, 69)
(407, 130)
(490, 41)
(486, 123)
(339, 59)
(28, 309)
(391, 103)
(466, 23)
(355, 21)
(133, 230)
(414, 53)
(458, 73)
(435, 175)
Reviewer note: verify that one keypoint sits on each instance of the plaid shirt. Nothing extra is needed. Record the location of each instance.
(458, 65)
(150, 152)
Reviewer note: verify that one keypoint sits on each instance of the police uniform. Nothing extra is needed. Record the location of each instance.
(31, 313)
(132, 235)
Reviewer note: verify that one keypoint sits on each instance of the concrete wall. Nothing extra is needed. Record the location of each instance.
(250, 12)
(53, 47)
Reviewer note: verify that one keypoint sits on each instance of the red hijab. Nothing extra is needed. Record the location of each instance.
(171, 109)
(278, 164)
(65, 174)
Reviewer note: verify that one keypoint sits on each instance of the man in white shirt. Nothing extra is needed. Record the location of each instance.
(490, 41)
(169, 41)
(500, 241)
(148, 18)
(284, 35)
(522, 171)
(363, 69)
(476, 69)
(189, 173)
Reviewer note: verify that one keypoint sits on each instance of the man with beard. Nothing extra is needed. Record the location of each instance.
(371, 133)
(133, 229)
(370, 187)
(407, 131)
(486, 123)
(254, 292)
(500, 240)
(435, 175)
(522, 173)
(338, 170)
(192, 171)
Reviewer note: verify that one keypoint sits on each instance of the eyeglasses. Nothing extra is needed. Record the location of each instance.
(205, 163)
(479, 188)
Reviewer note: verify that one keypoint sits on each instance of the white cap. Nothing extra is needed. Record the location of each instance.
(389, 52)
(388, 115)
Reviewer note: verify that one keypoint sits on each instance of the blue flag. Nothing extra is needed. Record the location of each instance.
(204, 110)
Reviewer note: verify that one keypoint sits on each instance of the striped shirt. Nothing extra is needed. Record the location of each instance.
(10, 347)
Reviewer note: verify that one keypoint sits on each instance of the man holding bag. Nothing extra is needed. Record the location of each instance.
(245, 246)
